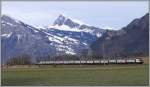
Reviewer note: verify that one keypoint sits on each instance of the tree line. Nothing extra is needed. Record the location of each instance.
(19, 60)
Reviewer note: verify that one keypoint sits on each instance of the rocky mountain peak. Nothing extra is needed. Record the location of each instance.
(63, 20)
(60, 20)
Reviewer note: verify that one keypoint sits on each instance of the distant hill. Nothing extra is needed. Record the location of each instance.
(130, 40)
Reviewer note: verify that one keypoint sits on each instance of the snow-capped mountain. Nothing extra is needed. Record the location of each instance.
(64, 36)
(73, 35)
(68, 24)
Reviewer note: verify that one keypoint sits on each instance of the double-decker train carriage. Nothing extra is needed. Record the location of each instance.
(92, 62)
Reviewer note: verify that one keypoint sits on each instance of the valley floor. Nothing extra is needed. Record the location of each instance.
(78, 75)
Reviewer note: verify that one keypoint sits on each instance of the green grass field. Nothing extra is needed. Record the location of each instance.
(94, 75)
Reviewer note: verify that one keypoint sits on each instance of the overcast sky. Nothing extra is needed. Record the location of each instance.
(103, 14)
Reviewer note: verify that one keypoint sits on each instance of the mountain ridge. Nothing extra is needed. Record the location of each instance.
(23, 38)
(130, 40)
(18, 38)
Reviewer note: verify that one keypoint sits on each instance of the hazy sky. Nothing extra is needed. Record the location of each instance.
(113, 14)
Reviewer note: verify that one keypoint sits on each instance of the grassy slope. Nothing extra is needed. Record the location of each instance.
(91, 75)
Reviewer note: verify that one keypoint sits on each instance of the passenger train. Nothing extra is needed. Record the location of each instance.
(92, 62)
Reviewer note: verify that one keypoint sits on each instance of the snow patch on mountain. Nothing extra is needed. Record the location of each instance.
(7, 23)
(85, 43)
(98, 34)
(65, 28)
(6, 35)
(66, 49)
(70, 52)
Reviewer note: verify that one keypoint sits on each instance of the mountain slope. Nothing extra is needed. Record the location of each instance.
(130, 40)
(75, 35)
(19, 38)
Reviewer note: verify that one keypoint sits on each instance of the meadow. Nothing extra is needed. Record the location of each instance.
(78, 75)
